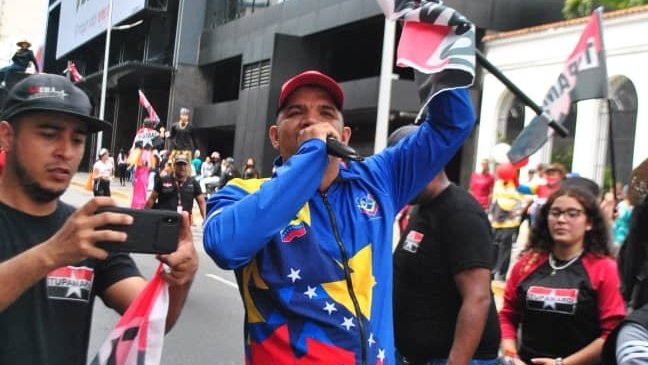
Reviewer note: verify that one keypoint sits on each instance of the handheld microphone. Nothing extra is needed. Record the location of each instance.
(339, 149)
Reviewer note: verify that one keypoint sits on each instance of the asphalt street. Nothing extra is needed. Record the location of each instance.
(210, 330)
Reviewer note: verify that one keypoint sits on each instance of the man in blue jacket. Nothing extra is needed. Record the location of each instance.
(311, 246)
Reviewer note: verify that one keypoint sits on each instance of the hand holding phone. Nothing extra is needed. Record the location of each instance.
(153, 231)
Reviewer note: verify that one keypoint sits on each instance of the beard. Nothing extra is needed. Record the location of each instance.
(34, 190)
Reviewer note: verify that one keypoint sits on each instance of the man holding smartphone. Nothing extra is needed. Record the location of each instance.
(50, 268)
(178, 190)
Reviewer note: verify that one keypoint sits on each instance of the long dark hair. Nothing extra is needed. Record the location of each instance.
(634, 253)
(596, 240)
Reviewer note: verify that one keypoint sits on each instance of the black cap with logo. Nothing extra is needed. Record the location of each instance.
(50, 93)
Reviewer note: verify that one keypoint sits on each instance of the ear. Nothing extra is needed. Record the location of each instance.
(346, 135)
(6, 135)
(273, 133)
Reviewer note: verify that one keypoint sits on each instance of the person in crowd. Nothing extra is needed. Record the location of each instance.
(249, 169)
(177, 191)
(20, 61)
(505, 215)
(621, 224)
(444, 310)
(562, 298)
(312, 246)
(228, 172)
(50, 268)
(181, 136)
(628, 343)
(122, 167)
(103, 172)
(196, 163)
(207, 168)
(481, 184)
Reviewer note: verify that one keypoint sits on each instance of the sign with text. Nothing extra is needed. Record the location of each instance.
(82, 20)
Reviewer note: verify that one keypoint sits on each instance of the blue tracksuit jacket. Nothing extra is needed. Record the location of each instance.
(315, 269)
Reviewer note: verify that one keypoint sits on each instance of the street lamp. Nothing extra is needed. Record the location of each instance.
(104, 77)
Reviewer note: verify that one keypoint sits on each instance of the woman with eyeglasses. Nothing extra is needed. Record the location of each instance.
(562, 297)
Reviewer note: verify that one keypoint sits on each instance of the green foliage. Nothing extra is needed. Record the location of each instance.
(578, 8)
(565, 157)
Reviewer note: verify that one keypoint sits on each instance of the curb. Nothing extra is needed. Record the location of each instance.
(114, 193)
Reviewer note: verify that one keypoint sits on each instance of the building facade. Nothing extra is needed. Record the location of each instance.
(532, 58)
(226, 60)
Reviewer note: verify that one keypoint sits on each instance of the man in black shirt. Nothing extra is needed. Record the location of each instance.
(50, 268)
(178, 190)
(181, 137)
(443, 306)
(20, 59)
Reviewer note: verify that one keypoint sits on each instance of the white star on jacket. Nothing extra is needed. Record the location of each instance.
(381, 354)
(294, 274)
(330, 308)
(310, 292)
(371, 339)
(348, 323)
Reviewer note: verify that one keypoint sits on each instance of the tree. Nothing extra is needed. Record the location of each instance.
(578, 8)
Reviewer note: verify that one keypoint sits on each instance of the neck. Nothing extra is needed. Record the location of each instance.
(565, 253)
(12, 194)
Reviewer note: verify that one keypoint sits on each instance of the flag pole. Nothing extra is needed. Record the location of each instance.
(557, 127)
(611, 149)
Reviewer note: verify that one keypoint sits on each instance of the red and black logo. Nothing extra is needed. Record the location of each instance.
(552, 299)
(70, 283)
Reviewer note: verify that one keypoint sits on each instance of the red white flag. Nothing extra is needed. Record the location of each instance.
(437, 42)
(146, 105)
(138, 337)
(584, 76)
(73, 72)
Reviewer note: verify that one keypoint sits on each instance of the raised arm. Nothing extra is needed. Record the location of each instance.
(413, 162)
(241, 219)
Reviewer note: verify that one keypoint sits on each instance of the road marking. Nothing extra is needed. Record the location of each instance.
(224, 281)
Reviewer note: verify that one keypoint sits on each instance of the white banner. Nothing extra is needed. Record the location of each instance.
(82, 20)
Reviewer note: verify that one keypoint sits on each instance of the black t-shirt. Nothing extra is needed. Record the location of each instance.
(22, 57)
(49, 324)
(443, 238)
(167, 189)
(561, 313)
(181, 138)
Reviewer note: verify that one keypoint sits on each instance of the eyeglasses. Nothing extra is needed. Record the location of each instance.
(570, 213)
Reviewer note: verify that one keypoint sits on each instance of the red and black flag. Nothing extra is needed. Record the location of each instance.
(152, 114)
(73, 72)
(138, 337)
(437, 42)
(584, 76)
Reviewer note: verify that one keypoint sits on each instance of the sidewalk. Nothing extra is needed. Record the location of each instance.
(123, 194)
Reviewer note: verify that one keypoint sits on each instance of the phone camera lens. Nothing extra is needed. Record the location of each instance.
(170, 220)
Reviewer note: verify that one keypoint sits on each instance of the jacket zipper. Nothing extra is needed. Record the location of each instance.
(347, 276)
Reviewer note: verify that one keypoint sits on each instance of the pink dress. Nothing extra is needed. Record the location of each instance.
(140, 181)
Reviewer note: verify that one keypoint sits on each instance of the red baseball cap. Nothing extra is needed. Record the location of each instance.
(311, 78)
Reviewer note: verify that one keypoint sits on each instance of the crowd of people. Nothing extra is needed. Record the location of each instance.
(313, 248)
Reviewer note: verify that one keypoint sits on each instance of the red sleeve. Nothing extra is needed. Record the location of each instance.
(509, 315)
(605, 281)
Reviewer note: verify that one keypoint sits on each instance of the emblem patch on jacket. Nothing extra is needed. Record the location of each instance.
(292, 231)
(367, 205)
